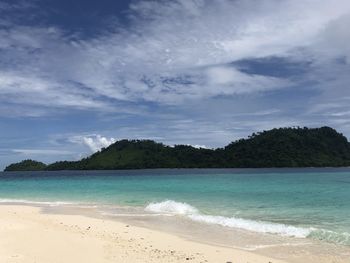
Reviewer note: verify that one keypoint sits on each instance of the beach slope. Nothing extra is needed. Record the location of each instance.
(27, 235)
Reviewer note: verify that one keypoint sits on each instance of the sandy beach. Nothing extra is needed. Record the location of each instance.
(29, 235)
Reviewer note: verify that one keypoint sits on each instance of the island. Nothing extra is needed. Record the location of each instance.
(26, 165)
(279, 147)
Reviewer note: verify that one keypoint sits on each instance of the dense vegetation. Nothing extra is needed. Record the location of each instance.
(26, 165)
(288, 147)
(284, 147)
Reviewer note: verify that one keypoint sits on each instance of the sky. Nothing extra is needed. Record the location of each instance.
(76, 76)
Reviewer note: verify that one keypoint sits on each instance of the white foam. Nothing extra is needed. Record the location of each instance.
(23, 201)
(251, 225)
(173, 207)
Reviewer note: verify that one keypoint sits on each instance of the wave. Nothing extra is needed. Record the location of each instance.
(251, 225)
(184, 209)
(23, 201)
(172, 207)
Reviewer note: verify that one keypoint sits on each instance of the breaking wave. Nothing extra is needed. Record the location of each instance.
(184, 209)
(172, 207)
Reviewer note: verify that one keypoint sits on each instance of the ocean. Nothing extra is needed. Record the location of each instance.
(303, 203)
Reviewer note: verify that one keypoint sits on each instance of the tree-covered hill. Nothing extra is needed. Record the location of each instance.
(288, 147)
(141, 154)
(26, 165)
(283, 147)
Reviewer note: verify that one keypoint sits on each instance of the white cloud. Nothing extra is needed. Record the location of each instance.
(94, 142)
(233, 81)
(180, 51)
(173, 51)
(198, 146)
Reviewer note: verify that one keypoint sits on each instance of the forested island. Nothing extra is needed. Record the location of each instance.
(282, 147)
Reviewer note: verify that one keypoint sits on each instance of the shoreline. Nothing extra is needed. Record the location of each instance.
(132, 243)
(201, 169)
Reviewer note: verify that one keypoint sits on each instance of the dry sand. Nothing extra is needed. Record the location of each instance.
(28, 236)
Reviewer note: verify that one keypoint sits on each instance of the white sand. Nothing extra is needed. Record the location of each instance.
(28, 236)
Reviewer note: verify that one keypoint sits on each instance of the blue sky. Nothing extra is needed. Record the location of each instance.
(78, 75)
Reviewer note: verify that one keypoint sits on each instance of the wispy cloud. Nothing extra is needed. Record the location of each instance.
(40, 152)
(173, 51)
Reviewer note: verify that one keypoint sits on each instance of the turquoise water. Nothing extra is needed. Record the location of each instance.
(310, 203)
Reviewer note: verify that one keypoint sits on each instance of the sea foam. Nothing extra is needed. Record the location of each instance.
(184, 209)
(172, 207)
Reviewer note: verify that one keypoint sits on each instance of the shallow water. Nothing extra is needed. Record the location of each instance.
(305, 203)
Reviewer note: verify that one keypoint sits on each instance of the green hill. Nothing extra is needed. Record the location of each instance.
(141, 154)
(26, 165)
(283, 147)
(288, 147)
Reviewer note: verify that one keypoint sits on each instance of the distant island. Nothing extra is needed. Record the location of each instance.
(282, 147)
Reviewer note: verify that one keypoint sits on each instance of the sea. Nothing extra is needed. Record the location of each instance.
(310, 204)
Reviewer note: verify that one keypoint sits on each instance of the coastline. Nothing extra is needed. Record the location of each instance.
(223, 170)
(63, 234)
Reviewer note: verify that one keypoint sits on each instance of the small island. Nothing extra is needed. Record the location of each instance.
(26, 165)
(280, 147)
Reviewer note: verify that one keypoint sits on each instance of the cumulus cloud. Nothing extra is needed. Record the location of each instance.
(94, 142)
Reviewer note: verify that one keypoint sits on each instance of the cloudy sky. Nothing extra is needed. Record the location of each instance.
(77, 75)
